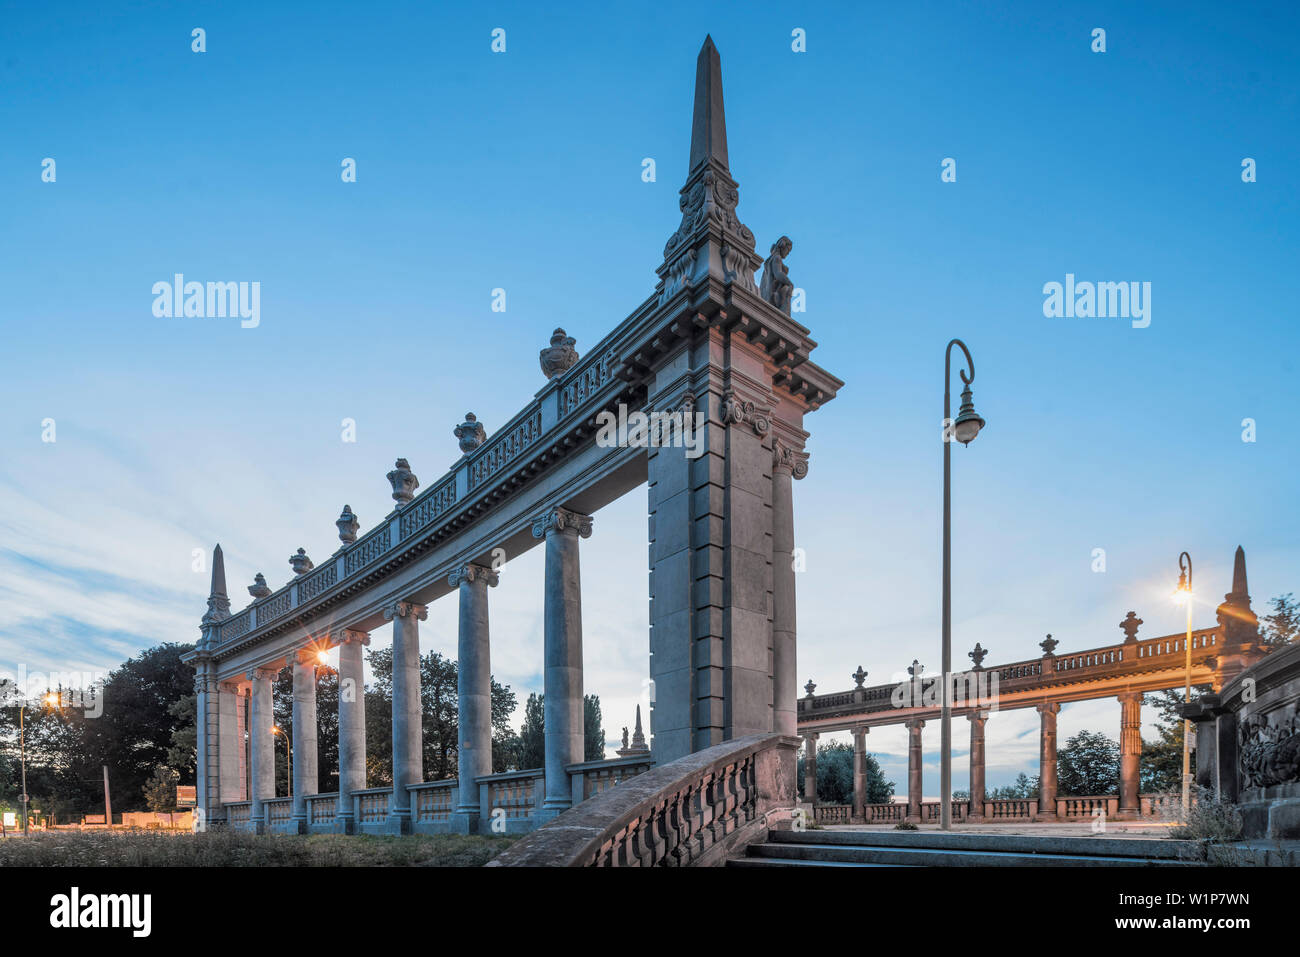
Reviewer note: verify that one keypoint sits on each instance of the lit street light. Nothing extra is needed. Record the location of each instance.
(1183, 595)
(964, 429)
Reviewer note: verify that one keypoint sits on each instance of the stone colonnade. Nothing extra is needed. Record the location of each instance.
(248, 773)
(1130, 753)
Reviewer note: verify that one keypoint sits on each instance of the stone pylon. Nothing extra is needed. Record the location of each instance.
(1238, 626)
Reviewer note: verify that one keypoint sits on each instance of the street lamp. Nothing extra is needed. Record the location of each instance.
(288, 753)
(51, 700)
(964, 428)
(1183, 595)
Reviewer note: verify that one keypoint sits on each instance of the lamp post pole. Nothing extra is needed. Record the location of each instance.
(963, 429)
(1185, 585)
(22, 738)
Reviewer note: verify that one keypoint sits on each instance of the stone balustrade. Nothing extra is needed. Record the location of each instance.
(433, 801)
(692, 811)
(372, 805)
(278, 812)
(321, 810)
(1087, 806)
(590, 778)
(237, 813)
(1015, 809)
(832, 813)
(891, 813)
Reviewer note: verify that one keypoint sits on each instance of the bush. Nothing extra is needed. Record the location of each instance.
(905, 826)
(1209, 819)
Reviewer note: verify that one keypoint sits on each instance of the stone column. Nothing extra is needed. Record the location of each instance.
(261, 745)
(1130, 754)
(231, 742)
(305, 778)
(473, 692)
(977, 719)
(860, 774)
(408, 736)
(914, 793)
(1047, 761)
(241, 737)
(352, 727)
(563, 703)
(208, 742)
(810, 768)
(787, 464)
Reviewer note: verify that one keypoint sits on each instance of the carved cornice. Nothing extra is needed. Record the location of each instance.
(737, 410)
(788, 459)
(562, 520)
(406, 609)
(471, 573)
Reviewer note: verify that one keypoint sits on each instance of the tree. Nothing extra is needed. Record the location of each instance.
(835, 776)
(1282, 626)
(593, 735)
(183, 753)
(1088, 764)
(160, 790)
(1162, 759)
(1022, 789)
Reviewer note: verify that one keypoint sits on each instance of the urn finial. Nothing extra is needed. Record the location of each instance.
(348, 524)
(300, 563)
(1048, 645)
(860, 676)
(978, 656)
(559, 356)
(259, 588)
(404, 482)
(470, 433)
(1130, 627)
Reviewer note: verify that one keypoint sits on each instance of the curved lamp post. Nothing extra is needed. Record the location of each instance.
(1184, 595)
(964, 428)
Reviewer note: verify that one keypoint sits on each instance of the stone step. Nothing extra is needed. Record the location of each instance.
(863, 854)
(1141, 848)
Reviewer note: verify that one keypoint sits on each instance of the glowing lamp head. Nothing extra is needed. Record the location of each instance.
(323, 656)
(51, 699)
(1183, 593)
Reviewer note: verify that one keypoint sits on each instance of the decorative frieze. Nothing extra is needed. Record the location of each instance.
(594, 376)
(429, 507)
(504, 449)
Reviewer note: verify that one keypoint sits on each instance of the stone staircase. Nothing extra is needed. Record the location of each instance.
(844, 848)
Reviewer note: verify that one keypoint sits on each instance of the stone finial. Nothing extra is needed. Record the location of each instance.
(625, 741)
(916, 669)
(218, 600)
(1237, 620)
(638, 743)
(259, 588)
(859, 676)
(300, 563)
(470, 433)
(1048, 645)
(977, 656)
(404, 482)
(1130, 627)
(776, 286)
(348, 525)
(810, 687)
(559, 357)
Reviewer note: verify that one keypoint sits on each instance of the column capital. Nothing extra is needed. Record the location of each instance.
(406, 609)
(306, 656)
(979, 714)
(786, 458)
(348, 636)
(737, 409)
(230, 686)
(1129, 697)
(560, 519)
(261, 674)
(472, 572)
(1051, 707)
(811, 735)
(914, 724)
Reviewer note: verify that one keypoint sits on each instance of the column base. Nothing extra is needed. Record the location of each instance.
(1047, 818)
(398, 822)
(1126, 814)
(299, 825)
(466, 821)
(345, 825)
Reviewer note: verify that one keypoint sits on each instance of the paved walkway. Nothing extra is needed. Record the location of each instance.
(1083, 828)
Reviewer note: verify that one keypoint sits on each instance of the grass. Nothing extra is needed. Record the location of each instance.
(241, 849)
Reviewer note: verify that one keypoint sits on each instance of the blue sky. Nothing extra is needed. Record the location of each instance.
(522, 171)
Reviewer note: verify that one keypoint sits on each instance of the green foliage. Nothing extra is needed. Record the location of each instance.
(1161, 768)
(1209, 819)
(160, 790)
(532, 732)
(1088, 764)
(1022, 789)
(1282, 625)
(835, 776)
